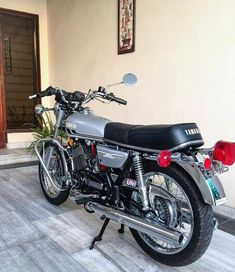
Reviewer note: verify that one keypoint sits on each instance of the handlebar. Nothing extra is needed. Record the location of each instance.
(111, 97)
(66, 97)
(32, 96)
(48, 92)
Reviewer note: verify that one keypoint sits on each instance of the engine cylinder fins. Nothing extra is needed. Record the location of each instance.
(167, 235)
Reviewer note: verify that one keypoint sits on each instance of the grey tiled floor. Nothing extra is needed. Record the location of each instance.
(13, 157)
(13, 151)
(36, 236)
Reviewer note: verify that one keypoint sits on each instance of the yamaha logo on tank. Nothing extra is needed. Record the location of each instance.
(71, 125)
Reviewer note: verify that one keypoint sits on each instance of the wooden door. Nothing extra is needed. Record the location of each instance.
(2, 98)
(20, 71)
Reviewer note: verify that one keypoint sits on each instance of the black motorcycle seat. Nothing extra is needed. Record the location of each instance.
(153, 137)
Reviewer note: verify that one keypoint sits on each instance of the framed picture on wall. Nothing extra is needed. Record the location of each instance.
(126, 26)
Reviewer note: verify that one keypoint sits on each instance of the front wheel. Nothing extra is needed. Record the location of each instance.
(177, 203)
(56, 170)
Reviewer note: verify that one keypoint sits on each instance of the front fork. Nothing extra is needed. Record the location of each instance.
(45, 161)
(59, 119)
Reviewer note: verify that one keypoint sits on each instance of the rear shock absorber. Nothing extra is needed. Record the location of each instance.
(138, 167)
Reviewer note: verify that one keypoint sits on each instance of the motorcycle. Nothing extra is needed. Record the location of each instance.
(155, 179)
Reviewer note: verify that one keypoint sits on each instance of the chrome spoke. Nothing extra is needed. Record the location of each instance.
(174, 199)
(55, 172)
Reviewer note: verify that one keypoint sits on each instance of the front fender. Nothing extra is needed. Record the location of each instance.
(211, 189)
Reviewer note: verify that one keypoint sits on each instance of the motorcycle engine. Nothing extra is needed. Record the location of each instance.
(81, 156)
(86, 176)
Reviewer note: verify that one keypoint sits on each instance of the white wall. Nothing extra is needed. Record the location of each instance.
(184, 59)
(38, 7)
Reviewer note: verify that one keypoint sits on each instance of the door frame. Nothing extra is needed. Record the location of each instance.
(37, 73)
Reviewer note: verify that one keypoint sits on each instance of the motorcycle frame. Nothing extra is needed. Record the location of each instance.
(203, 185)
(201, 179)
(191, 167)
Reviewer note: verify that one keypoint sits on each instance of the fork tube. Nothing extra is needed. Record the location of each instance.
(56, 132)
(58, 123)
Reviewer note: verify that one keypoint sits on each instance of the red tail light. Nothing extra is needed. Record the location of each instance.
(164, 158)
(224, 152)
(207, 164)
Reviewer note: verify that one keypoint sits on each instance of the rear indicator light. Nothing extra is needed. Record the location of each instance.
(70, 141)
(164, 158)
(224, 152)
(207, 164)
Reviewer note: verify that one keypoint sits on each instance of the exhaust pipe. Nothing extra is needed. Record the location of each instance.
(172, 237)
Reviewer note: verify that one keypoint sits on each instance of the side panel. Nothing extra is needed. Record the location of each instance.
(211, 189)
(111, 157)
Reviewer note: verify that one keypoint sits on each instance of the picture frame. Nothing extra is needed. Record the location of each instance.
(126, 26)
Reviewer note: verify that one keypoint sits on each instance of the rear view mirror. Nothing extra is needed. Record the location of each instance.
(129, 79)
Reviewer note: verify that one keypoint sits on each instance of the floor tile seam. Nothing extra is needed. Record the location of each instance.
(224, 222)
(31, 258)
(107, 257)
(71, 251)
(66, 253)
(21, 243)
(226, 217)
(17, 165)
(53, 216)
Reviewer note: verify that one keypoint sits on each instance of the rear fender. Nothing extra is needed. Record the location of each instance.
(211, 189)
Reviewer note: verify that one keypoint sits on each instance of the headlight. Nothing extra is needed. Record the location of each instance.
(39, 109)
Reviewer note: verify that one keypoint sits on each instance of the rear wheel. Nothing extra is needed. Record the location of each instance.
(176, 204)
(56, 170)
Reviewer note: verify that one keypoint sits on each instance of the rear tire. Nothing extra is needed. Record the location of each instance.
(202, 221)
(60, 196)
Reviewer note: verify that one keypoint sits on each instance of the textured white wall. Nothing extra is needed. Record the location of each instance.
(184, 59)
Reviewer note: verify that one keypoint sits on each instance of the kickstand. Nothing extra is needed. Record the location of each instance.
(121, 230)
(99, 237)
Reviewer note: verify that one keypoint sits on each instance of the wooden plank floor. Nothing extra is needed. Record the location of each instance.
(36, 236)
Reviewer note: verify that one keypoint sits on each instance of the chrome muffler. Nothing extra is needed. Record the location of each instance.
(170, 236)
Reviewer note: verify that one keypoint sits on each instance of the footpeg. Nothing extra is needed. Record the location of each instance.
(83, 200)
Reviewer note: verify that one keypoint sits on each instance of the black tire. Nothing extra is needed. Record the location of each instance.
(203, 221)
(62, 195)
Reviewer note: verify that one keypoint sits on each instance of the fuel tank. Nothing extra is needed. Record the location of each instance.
(86, 125)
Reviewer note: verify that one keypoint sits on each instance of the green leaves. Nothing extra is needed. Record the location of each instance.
(44, 129)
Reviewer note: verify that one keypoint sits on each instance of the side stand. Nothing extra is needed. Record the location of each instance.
(99, 237)
(121, 230)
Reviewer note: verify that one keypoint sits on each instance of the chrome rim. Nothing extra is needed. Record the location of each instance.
(171, 208)
(56, 172)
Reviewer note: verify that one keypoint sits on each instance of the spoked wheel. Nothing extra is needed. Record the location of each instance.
(56, 170)
(176, 204)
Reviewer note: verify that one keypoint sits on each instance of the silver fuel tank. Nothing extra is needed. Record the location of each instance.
(86, 125)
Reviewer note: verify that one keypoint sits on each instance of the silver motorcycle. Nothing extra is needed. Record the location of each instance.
(155, 179)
